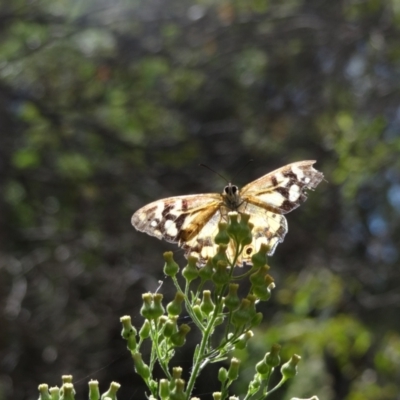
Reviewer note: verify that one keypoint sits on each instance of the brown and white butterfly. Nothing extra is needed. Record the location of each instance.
(192, 221)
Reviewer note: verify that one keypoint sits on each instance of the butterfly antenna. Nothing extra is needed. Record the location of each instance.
(215, 172)
(241, 169)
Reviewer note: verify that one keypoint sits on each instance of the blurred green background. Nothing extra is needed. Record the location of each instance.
(108, 105)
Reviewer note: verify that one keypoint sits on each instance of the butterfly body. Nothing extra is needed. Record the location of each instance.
(192, 221)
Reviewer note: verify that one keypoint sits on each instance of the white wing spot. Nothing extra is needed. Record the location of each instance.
(170, 227)
(294, 192)
(298, 171)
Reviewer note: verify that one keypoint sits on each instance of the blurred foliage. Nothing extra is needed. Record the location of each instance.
(105, 106)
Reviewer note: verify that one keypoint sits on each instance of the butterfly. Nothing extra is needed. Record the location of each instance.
(192, 221)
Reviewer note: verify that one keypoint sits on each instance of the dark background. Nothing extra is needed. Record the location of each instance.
(106, 106)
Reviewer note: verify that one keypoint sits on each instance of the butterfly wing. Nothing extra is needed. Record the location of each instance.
(272, 195)
(191, 221)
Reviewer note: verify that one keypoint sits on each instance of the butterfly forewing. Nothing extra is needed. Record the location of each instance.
(177, 219)
(192, 221)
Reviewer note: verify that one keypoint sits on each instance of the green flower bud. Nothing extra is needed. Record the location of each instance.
(258, 278)
(262, 368)
(256, 320)
(158, 308)
(245, 237)
(54, 393)
(178, 339)
(243, 339)
(144, 332)
(207, 306)
(171, 268)
(170, 326)
(272, 358)
(222, 375)
(262, 292)
(178, 393)
(128, 332)
(177, 372)
(232, 300)
(233, 371)
(146, 311)
(252, 300)
(112, 391)
(140, 367)
(67, 379)
(206, 272)
(243, 314)
(94, 391)
(197, 311)
(191, 272)
(163, 389)
(217, 395)
(175, 307)
(222, 236)
(233, 228)
(44, 392)
(258, 259)
(68, 391)
(221, 255)
(289, 369)
(255, 384)
(221, 275)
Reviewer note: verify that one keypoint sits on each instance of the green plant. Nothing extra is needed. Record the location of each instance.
(225, 321)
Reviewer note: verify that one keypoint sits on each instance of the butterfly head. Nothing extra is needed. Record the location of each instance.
(231, 196)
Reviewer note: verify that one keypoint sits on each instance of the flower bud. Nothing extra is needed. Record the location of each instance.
(262, 368)
(272, 358)
(233, 371)
(233, 228)
(221, 275)
(222, 236)
(258, 278)
(191, 272)
(128, 332)
(145, 311)
(94, 392)
(222, 375)
(171, 268)
(232, 300)
(197, 311)
(243, 314)
(177, 393)
(144, 332)
(258, 259)
(289, 369)
(68, 391)
(163, 389)
(221, 255)
(140, 367)
(207, 306)
(175, 306)
(44, 392)
(217, 395)
(112, 391)
(158, 308)
(206, 272)
(177, 372)
(170, 326)
(178, 339)
(243, 339)
(245, 237)
(256, 320)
